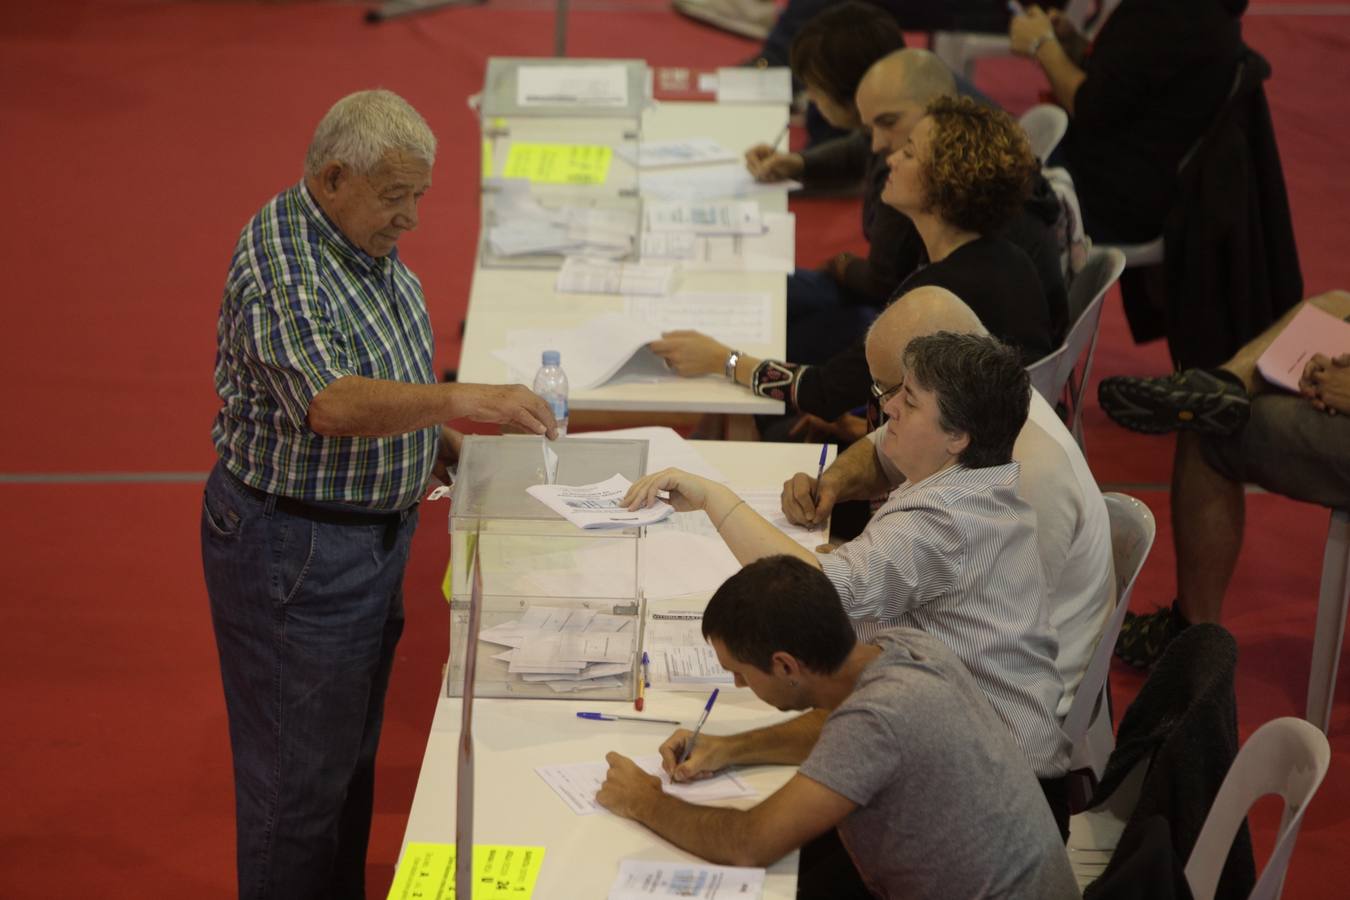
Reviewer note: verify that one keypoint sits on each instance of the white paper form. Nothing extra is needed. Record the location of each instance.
(572, 86)
(576, 784)
(641, 878)
(680, 152)
(708, 183)
(593, 506)
(679, 245)
(695, 664)
(743, 84)
(704, 217)
(592, 352)
(731, 318)
(774, 250)
(604, 276)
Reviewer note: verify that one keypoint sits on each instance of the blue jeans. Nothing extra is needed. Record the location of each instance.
(306, 615)
(822, 319)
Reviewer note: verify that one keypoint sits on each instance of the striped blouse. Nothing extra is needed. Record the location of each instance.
(955, 555)
(303, 307)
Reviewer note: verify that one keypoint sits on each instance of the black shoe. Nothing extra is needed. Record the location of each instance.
(1200, 400)
(1143, 638)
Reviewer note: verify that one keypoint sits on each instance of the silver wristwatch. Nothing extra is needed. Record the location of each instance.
(731, 365)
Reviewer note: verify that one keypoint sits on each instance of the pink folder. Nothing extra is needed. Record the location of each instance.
(1311, 331)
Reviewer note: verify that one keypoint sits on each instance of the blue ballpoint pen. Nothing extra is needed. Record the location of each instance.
(820, 471)
(610, 717)
(689, 744)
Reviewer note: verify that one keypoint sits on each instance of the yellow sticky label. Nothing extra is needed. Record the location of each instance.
(559, 163)
(427, 872)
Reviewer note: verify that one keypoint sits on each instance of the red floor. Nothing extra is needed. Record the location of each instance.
(138, 137)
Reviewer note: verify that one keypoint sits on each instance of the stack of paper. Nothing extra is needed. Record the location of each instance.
(604, 276)
(567, 649)
(708, 183)
(523, 226)
(595, 350)
(695, 664)
(744, 84)
(641, 878)
(683, 152)
(598, 85)
(773, 250)
(705, 217)
(597, 506)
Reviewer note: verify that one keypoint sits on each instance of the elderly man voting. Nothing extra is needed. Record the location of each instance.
(900, 752)
(953, 549)
(330, 426)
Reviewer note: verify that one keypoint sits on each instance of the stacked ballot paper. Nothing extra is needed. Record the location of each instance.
(580, 275)
(704, 217)
(567, 649)
(594, 506)
(681, 152)
(523, 226)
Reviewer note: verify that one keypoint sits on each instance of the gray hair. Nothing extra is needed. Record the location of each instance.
(362, 128)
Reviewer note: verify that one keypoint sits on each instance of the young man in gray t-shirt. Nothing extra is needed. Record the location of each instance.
(901, 752)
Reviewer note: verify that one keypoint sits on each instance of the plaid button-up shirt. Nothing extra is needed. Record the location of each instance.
(303, 307)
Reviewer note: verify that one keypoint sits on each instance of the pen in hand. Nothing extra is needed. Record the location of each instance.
(689, 744)
(820, 472)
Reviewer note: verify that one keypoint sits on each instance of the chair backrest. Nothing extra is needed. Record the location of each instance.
(1054, 376)
(1045, 124)
(1288, 757)
(1132, 531)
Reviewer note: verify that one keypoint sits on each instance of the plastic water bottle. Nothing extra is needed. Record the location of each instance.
(550, 383)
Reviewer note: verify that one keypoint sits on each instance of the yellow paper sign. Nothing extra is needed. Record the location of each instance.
(449, 575)
(559, 163)
(427, 872)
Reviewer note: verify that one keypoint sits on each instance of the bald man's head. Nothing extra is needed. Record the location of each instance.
(892, 95)
(922, 311)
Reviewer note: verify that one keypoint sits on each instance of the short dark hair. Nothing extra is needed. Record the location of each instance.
(980, 169)
(834, 50)
(982, 390)
(780, 603)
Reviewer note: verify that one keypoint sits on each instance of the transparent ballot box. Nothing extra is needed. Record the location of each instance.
(560, 142)
(563, 603)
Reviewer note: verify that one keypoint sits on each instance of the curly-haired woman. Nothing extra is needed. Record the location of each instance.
(963, 173)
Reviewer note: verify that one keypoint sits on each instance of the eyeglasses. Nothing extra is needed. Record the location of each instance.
(876, 413)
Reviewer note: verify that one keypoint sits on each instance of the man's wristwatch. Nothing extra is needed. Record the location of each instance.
(730, 367)
(1036, 44)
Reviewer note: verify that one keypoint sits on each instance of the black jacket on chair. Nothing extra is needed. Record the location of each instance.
(1185, 719)
(1232, 266)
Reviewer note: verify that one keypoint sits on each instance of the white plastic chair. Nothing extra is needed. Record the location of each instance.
(1055, 376)
(1136, 255)
(1088, 722)
(1285, 756)
(1332, 602)
(1045, 125)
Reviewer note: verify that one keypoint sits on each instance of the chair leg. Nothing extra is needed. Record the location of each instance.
(1332, 601)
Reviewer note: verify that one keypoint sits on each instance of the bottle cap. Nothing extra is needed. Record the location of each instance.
(552, 357)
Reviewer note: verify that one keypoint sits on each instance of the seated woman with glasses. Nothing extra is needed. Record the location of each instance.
(953, 549)
(964, 172)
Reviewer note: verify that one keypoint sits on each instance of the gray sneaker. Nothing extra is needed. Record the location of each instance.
(748, 18)
(1196, 400)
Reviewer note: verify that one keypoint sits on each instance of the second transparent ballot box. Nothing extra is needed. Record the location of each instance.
(550, 588)
(560, 143)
